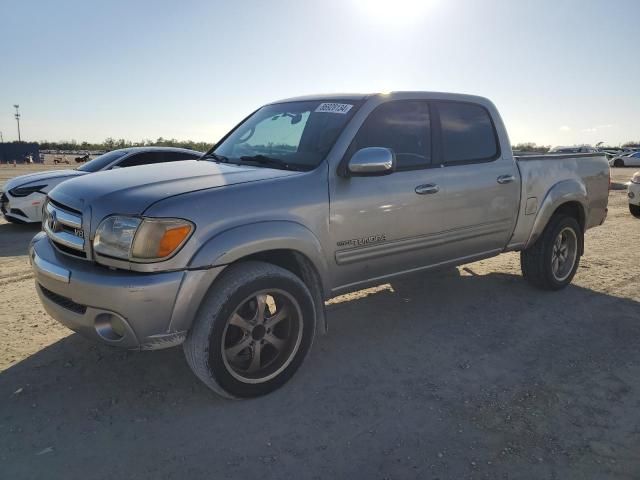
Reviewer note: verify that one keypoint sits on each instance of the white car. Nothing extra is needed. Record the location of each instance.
(574, 149)
(631, 159)
(633, 192)
(22, 198)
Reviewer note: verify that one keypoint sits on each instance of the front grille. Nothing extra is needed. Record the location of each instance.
(64, 302)
(4, 201)
(63, 226)
(69, 251)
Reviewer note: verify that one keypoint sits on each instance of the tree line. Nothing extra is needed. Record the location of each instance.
(114, 144)
(533, 147)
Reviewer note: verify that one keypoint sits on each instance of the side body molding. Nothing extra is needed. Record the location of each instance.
(238, 242)
(560, 193)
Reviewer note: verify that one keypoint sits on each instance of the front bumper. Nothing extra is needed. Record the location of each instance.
(633, 193)
(23, 209)
(117, 307)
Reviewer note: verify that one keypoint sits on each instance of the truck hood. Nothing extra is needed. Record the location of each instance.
(34, 178)
(132, 190)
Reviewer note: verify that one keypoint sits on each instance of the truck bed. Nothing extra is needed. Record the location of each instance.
(547, 178)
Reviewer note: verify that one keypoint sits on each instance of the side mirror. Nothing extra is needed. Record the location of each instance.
(372, 161)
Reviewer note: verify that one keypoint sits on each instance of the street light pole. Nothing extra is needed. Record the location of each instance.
(17, 115)
(1, 138)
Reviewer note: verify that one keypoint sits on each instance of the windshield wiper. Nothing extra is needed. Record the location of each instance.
(214, 156)
(273, 162)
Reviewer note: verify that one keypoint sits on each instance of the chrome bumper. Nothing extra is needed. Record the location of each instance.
(117, 307)
(49, 269)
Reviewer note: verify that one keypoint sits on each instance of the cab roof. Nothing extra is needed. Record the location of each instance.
(357, 97)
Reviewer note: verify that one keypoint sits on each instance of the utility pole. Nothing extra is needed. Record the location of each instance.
(17, 115)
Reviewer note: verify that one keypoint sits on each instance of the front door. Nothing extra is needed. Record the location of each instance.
(381, 225)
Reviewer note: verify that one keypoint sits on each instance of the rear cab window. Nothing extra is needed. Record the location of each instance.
(467, 133)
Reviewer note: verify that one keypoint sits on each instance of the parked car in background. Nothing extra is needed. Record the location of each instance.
(633, 192)
(307, 198)
(631, 159)
(21, 198)
(575, 149)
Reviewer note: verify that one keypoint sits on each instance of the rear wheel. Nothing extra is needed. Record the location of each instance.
(635, 210)
(252, 332)
(551, 262)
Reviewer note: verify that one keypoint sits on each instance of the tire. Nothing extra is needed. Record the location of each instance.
(618, 163)
(635, 210)
(229, 332)
(537, 261)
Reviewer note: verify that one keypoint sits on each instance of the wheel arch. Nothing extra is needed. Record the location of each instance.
(568, 197)
(286, 244)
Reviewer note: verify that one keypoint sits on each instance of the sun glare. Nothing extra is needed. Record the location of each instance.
(394, 12)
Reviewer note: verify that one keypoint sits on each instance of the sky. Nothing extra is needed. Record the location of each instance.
(561, 72)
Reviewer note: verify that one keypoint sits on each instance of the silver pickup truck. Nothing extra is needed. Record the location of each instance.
(233, 255)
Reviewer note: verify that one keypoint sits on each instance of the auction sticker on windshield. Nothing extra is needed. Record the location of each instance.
(334, 108)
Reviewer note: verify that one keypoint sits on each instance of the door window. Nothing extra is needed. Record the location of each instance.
(140, 159)
(468, 134)
(147, 158)
(177, 156)
(403, 126)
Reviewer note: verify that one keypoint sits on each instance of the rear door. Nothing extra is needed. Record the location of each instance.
(479, 184)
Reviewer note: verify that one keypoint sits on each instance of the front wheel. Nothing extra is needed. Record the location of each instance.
(252, 331)
(635, 210)
(618, 163)
(551, 262)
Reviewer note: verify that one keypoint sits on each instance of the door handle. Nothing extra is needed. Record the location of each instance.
(427, 189)
(502, 179)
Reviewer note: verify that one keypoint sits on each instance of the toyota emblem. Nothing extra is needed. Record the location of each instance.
(53, 221)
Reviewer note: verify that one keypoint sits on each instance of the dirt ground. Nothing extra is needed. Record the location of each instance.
(464, 374)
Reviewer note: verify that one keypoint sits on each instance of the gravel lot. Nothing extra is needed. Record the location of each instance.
(465, 374)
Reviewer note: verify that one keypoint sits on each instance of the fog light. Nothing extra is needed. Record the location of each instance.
(630, 194)
(117, 326)
(110, 327)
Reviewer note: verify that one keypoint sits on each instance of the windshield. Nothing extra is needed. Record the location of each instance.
(296, 135)
(102, 161)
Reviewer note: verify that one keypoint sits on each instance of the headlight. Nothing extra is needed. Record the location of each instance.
(26, 191)
(160, 238)
(142, 240)
(114, 236)
(636, 177)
